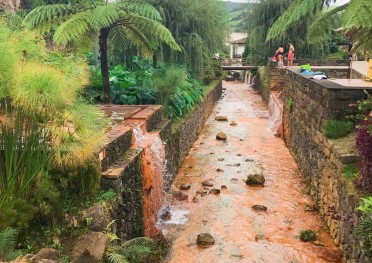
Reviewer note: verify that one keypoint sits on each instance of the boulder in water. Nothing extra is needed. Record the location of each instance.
(185, 186)
(221, 136)
(205, 240)
(215, 191)
(259, 208)
(180, 196)
(221, 118)
(165, 214)
(207, 183)
(255, 180)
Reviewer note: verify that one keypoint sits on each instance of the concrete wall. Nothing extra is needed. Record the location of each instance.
(320, 159)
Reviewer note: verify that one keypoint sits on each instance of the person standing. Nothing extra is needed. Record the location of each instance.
(280, 54)
(290, 54)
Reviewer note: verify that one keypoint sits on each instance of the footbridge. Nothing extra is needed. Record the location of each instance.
(238, 67)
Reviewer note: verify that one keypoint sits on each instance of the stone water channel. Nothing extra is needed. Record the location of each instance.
(242, 234)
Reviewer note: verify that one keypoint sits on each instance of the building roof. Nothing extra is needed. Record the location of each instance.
(239, 41)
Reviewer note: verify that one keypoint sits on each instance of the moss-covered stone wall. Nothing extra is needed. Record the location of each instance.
(307, 106)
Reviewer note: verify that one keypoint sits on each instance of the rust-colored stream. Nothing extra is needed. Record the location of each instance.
(228, 217)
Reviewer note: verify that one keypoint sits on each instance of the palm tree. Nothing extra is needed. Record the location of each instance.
(86, 21)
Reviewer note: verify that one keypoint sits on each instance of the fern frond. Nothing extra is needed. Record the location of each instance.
(325, 23)
(50, 25)
(140, 8)
(87, 40)
(362, 39)
(12, 255)
(117, 258)
(103, 16)
(73, 28)
(118, 36)
(47, 13)
(138, 39)
(154, 28)
(358, 14)
(292, 15)
(8, 239)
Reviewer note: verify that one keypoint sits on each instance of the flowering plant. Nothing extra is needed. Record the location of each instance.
(364, 141)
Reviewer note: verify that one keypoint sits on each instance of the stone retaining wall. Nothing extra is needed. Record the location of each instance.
(322, 62)
(181, 135)
(320, 159)
(124, 175)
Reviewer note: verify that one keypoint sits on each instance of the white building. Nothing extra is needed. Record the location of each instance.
(236, 43)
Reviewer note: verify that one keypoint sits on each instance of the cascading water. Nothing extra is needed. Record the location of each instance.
(153, 166)
(275, 114)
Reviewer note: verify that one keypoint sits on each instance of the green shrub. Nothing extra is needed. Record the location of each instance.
(364, 227)
(139, 250)
(307, 235)
(335, 129)
(8, 239)
(350, 172)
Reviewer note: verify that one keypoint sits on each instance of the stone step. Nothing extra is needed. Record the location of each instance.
(125, 166)
(123, 118)
(118, 141)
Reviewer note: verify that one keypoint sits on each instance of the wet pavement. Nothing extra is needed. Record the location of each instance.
(242, 234)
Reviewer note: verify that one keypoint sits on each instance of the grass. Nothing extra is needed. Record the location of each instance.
(335, 129)
(350, 172)
(307, 235)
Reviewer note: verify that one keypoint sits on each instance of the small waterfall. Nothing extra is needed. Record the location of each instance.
(275, 115)
(248, 78)
(153, 166)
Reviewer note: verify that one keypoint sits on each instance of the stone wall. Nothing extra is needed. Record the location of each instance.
(123, 171)
(276, 76)
(181, 135)
(320, 159)
(322, 62)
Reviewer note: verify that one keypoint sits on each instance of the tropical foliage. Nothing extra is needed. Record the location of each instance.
(199, 27)
(171, 86)
(8, 239)
(352, 19)
(364, 227)
(85, 22)
(139, 250)
(263, 17)
(44, 126)
(364, 142)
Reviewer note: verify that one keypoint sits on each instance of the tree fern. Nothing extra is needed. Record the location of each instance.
(82, 23)
(292, 15)
(103, 16)
(73, 28)
(47, 13)
(140, 8)
(325, 23)
(358, 14)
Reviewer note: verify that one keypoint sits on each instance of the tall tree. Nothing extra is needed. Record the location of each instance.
(199, 27)
(264, 14)
(84, 22)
